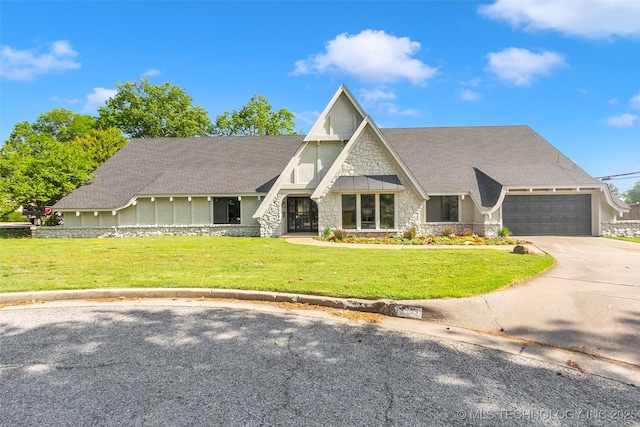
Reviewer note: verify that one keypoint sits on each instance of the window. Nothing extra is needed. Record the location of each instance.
(387, 211)
(349, 211)
(368, 211)
(226, 210)
(442, 209)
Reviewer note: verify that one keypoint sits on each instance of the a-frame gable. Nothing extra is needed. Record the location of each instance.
(366, 125)
(339, 120)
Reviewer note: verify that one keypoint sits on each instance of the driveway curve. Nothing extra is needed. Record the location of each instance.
(590, 300)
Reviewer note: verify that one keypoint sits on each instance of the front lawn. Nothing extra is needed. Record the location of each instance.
(258, 264)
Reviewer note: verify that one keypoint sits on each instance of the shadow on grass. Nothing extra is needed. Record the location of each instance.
(124, 365)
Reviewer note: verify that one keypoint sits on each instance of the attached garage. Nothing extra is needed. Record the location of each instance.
(548, 215)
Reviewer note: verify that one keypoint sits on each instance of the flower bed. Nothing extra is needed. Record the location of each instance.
(411, 238)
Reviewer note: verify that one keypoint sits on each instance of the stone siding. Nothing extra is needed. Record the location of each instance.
(368, 157)
(437, 228)
(193, 230)
(621, 228)
(271, 223)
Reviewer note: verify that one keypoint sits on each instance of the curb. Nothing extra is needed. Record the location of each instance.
(385, 307)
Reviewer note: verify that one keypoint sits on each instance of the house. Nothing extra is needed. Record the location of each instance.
(345, 173)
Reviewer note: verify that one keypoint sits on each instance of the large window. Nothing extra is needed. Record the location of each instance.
(226, 210)
(368, 211)
(349, 211)
(442, 209)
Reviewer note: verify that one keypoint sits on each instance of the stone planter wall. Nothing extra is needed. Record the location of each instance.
(213, 230)
(621, 228)
(437, 228)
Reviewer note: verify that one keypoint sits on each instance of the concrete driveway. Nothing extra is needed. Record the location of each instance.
(589, 301)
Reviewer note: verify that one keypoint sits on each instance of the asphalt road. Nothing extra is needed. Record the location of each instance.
(129, 364)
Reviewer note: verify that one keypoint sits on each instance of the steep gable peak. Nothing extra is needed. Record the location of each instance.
(339, 120)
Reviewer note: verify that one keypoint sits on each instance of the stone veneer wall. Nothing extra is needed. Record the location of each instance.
(368, 157)
(621, 228)
(271, 223)
(437, 228)
(192, 230)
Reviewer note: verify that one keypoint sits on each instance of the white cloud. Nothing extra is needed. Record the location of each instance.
(585, 18)
(307, 117)
(470, 95)
(394, 110)
(634, 102)
(98, 97)
(613, 101)
(521, 66)
(625, 120)
(27, 64)
(151, 72)
(370, 96)
(473, 82)
(372, 56)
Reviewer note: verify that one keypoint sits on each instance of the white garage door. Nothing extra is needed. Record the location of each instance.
(548, 215)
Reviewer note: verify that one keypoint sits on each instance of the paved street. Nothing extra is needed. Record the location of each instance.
(174, 363)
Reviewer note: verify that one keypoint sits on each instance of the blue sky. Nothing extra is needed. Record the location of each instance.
(569, 69)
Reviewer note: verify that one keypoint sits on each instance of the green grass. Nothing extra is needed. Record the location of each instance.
(628, 239)
(258, 264)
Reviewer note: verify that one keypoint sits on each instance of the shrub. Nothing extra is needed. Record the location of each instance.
(504, 232)
(340, 234)
(14, 216)
(326, 233)
(467, 232)
(448, 231)
(410, 233)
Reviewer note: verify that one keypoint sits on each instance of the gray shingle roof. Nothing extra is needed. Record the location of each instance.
(185, 166)
(479, 160)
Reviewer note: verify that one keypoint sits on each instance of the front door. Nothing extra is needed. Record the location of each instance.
(302, 215)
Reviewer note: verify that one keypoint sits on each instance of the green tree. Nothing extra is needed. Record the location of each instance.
(632, 195)
(40, 162)
(63, 125)
(142, 110)
(38, 170)
(255, 118)
(100, 144)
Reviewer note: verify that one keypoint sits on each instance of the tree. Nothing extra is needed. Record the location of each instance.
(255, 118)
(40, 162)
(632, 195)
(100, 144)
(64, 125)
(38, 170)
(142, 110)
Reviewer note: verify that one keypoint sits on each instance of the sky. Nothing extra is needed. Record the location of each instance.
(570, 69)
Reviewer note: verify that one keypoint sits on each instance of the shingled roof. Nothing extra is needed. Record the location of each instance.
(483, 159)
(454, 160)
(185, 166)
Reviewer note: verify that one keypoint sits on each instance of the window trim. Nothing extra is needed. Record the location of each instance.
(213, 210)
(458, 209)
(376, 211)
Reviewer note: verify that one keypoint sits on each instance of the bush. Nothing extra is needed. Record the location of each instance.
(340, 234)
(448, 231)
(467, 232)
(326, 233)
(410, 233)
(14, 216)
(504, 232)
